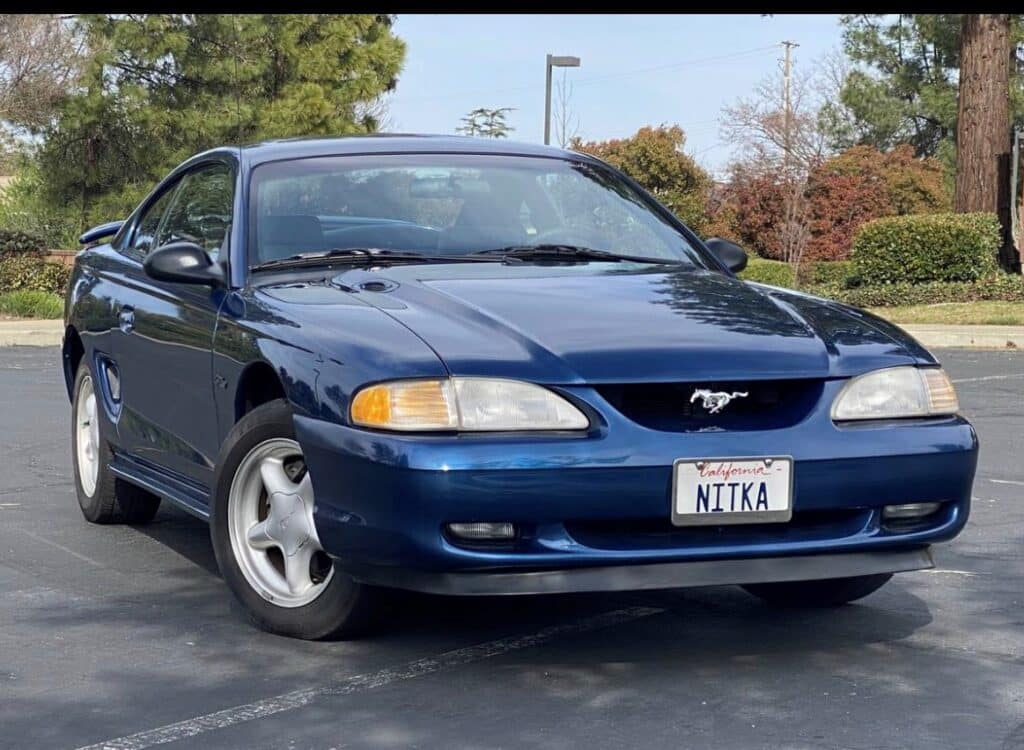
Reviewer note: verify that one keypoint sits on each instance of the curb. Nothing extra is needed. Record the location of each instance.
(31, 332)
(966, 337)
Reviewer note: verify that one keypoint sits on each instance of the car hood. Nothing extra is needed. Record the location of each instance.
(602, 323)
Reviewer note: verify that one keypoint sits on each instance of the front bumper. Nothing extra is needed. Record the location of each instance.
(602, 501)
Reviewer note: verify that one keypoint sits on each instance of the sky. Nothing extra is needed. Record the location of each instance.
(635, 70)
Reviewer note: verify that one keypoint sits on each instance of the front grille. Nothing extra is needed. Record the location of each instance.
(805, 526)
(671, 407)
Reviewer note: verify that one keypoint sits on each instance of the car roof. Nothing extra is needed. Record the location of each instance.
(386, 143)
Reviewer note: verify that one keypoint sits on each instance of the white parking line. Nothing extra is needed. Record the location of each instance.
(982, 378)
(1006, 481)
(948, 572)
(61, 547)
(299, 698)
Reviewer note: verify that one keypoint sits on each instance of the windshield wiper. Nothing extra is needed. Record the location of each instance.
(516, 253)
(369, 255)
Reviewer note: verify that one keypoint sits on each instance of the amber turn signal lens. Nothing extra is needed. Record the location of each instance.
(406, 405)
(941, 393)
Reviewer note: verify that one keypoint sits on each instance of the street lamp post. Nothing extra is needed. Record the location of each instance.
(554, 61)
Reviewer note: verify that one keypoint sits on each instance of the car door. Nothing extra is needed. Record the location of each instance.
(168, 423)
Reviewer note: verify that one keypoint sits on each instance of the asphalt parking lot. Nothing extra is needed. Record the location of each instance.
(125, 637)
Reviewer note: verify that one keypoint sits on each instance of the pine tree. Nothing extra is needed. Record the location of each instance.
(486, 123)
(160, 87)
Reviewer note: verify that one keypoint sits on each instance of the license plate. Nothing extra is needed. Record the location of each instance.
(718, 491)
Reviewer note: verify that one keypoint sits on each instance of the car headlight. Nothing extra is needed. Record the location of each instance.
(896, 392)
(465, 404)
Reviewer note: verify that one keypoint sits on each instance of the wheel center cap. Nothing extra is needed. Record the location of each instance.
(286, 522)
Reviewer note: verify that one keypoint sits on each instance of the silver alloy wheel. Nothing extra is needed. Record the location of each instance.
(270, 523)
(87, 437)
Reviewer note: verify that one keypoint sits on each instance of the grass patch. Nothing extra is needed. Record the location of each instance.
(957, 313)
(29, 304)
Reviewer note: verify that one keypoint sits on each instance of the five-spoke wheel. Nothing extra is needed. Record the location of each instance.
(270, 521)
(264, 534)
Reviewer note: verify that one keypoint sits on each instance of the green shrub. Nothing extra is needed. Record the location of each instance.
(25, 207)
(31, 304)
(13, 241)
(928, 247)
(998, 286)
(773, 272)
(32, 273)
(838, 272)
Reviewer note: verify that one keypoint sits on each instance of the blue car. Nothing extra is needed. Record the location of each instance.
(477, 367)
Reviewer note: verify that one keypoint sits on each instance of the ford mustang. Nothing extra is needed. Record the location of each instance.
(474, 367)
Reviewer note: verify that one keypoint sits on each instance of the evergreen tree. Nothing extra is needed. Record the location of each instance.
(486, 123)
(160, 87)
(904, 88)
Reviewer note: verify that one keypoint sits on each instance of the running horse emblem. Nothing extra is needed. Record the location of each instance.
(715, 401)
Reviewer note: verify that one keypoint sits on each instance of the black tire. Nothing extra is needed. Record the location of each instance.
(345, 609)
(828, 592)
(113, 500)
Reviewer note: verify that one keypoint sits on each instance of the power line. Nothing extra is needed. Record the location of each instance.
(598, 79)
(675, 66)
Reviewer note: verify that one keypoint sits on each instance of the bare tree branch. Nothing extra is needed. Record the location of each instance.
(41, 57)
(756, 126)
(567, 121)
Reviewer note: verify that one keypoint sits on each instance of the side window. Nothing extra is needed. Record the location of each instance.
(201, 211)
(149, 223)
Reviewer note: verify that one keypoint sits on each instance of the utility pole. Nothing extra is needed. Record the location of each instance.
(787, 102)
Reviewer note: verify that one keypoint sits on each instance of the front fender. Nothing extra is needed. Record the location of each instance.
(320, 353)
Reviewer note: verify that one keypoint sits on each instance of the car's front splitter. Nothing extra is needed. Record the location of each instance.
(648, 576)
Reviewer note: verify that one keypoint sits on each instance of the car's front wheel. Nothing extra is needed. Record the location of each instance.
(265, 539)
(828, 592)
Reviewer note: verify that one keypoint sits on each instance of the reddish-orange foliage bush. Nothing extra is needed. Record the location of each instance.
(756, 203)
(842, 193)
(862, 184)
(838, 204)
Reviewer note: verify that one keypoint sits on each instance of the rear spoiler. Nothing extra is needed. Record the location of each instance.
(103, 230)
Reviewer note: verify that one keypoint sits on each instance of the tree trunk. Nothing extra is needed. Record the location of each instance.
(983, 123)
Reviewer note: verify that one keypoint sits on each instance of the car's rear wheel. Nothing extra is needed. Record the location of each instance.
(265, 539)
(828, 592)
(102, 497)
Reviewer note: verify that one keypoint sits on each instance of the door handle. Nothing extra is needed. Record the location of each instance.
(126, 319)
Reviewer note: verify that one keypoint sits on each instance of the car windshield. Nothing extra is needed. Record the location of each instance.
(454, 205)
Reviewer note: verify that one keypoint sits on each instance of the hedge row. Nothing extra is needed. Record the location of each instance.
(774, 272)
(778, 273)
(928, 247)
(14, 242)
(1002, 287)
(32, 273)
(837, 280)
(837, 272)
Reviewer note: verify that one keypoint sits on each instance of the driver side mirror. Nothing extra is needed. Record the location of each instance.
(732, 255)
(184, 263)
